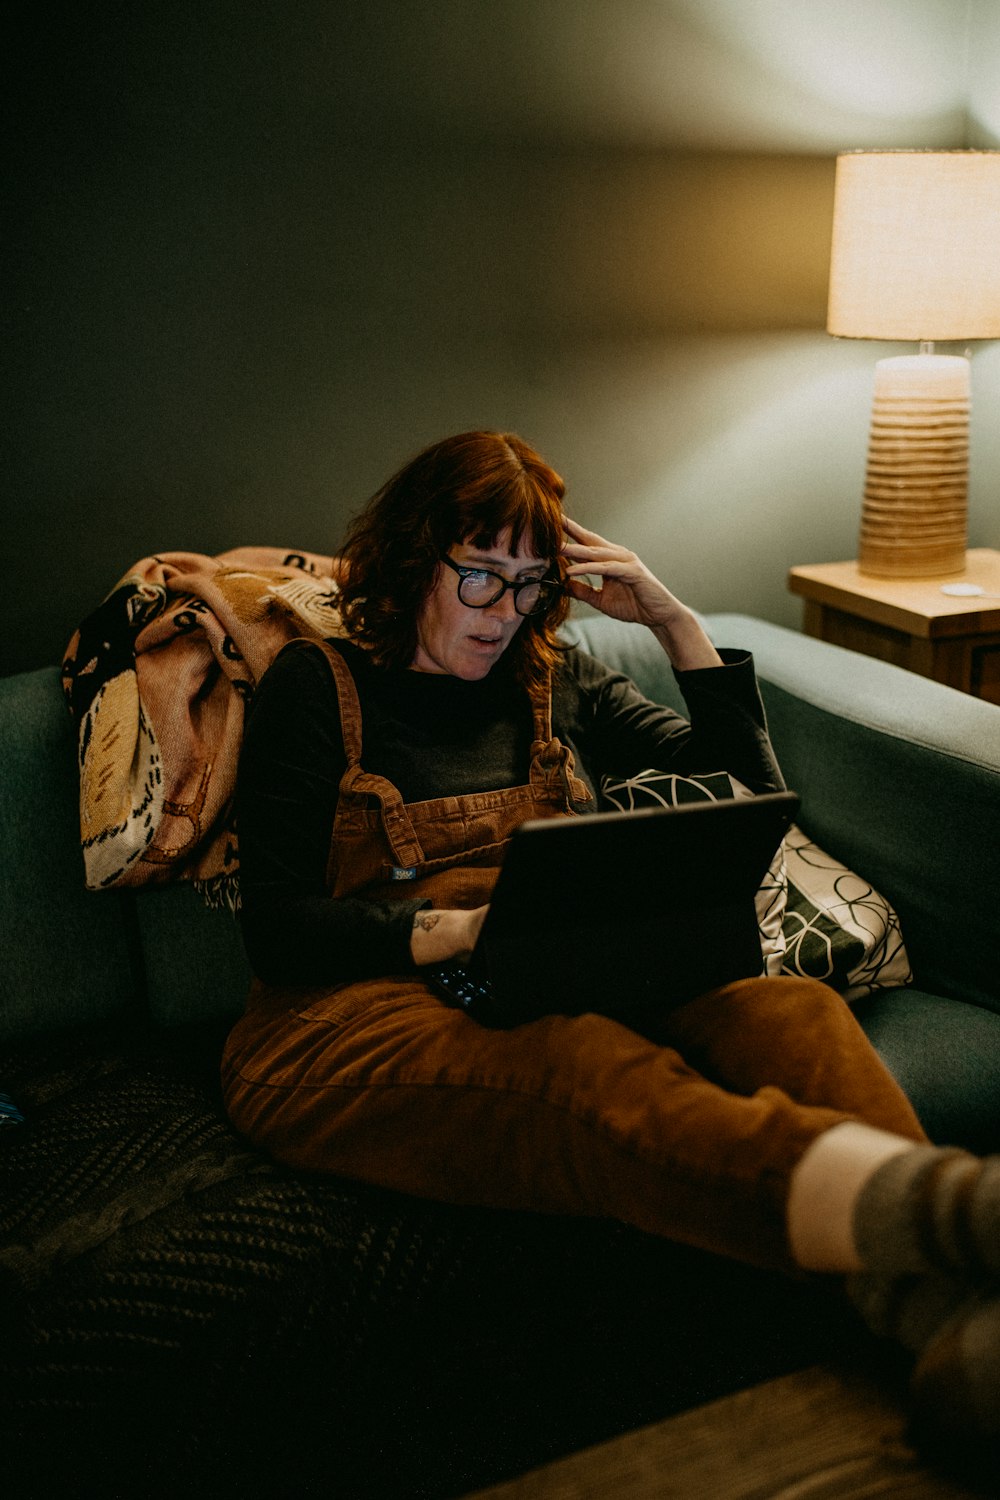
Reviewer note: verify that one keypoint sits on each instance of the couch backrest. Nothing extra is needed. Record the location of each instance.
(899, 778)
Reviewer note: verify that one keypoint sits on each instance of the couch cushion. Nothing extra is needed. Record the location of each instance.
(946, 1057)
(65, 956)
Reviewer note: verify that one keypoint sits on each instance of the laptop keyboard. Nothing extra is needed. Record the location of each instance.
(461, 987)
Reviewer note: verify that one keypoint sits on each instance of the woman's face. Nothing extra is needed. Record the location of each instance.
(466, 642)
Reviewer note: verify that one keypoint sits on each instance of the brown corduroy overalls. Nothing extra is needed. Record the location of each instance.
(692, 1137)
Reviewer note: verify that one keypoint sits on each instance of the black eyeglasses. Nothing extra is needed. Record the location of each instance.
(478, 588)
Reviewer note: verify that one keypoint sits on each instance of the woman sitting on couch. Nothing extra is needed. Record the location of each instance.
(758, 1123)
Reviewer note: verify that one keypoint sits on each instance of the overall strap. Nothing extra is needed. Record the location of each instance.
(553, 768)
(356, 784)
(347, 699)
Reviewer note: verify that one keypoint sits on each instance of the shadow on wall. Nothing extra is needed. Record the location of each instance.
(675, 243)
(260, 255)
(259, 387)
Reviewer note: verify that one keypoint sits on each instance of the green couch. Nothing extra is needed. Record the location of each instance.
(177, 1312)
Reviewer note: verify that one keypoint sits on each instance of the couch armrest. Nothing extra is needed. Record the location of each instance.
(873, 693)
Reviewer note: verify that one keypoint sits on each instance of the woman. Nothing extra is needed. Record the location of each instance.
(381, 775)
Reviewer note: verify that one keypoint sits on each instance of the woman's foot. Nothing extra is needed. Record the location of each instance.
(955, 1392)
(926, 1227)
(953, 1328)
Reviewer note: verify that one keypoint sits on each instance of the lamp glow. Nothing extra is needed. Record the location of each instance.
(916, 255)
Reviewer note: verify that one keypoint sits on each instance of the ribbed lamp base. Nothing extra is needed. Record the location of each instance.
(914, 516)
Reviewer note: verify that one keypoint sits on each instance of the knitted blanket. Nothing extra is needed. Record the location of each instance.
(157, 679)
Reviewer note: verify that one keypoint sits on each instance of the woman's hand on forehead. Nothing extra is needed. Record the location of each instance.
(629, 591)
(626, 589)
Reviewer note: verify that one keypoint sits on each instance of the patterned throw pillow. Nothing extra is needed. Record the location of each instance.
(816, 917)
(838, 928)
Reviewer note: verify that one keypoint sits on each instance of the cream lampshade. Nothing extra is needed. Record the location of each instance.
(916, 255)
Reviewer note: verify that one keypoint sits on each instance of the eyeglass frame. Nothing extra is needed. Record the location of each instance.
(553, 588)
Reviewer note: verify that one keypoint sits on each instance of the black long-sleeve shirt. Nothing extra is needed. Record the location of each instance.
(436, 735)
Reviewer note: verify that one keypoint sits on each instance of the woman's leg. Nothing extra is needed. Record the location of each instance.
(568, 1114)
(794, 1034)
(787, 1144)
(870, 1192)
(802, 1037)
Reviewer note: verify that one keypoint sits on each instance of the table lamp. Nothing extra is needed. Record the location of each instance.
(916, 256)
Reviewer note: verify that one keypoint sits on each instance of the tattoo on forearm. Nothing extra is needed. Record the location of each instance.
(426, 919)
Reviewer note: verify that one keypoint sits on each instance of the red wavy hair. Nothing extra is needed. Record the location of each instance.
(467, 488)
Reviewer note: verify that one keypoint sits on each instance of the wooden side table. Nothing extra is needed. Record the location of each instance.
(908, 621)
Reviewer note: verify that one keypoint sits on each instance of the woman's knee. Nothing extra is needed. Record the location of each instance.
(765, 1005)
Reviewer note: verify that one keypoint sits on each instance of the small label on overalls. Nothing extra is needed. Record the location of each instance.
(404, 872)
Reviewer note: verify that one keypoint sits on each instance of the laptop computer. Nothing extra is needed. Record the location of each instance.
(624, 913)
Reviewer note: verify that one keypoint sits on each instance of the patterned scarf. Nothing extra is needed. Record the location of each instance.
(157, 679)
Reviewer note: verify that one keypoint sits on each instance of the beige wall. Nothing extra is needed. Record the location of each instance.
(984, 131)
(267, 252)
(984, 73)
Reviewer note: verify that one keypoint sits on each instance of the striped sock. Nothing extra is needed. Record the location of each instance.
(930, 1209)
